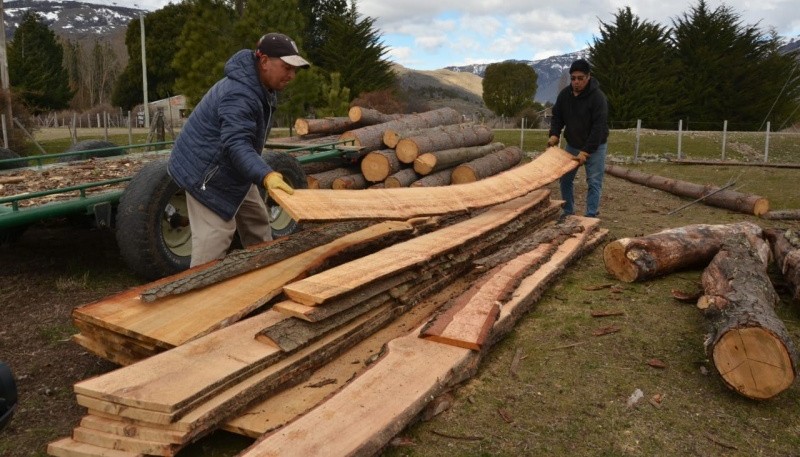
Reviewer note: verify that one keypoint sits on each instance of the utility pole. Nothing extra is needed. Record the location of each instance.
(4, 68)
(144, 74)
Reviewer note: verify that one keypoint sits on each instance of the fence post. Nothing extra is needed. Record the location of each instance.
(130, 128)
(766, 145)
(638, 134)
(680, 135)
(5, 131)
(724, 137)
(105, 125)
(521, 132)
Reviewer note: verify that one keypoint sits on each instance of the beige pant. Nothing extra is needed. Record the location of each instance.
(212, 236)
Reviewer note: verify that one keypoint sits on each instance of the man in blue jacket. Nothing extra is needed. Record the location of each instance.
(217, 156)
(581, 110)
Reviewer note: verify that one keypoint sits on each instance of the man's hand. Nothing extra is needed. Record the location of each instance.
(581, 157)
(274, 180)
(552, 141)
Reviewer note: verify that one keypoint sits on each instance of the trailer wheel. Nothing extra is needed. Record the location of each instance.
(9, 154)
(91, 145)
(281, 222)
(152, 224)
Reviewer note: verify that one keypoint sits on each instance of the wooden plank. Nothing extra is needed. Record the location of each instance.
(67, 447)
(123, 443)
(174, 320)
(403, 203)
(131, 429)
(468, 321)
(378, 404)
(318, 289)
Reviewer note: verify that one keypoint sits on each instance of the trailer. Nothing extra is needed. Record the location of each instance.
(144, 207)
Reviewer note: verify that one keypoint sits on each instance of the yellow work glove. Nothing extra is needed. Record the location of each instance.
(552, 141)
(274, 180)
(581, 157)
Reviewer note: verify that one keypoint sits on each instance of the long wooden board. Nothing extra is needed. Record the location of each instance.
(172, 321)
(403, 203)
(317, 289)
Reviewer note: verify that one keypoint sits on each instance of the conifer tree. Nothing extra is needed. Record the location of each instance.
(35, 66)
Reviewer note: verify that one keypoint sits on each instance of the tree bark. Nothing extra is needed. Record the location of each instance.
(351, 181)
(367, 116)
(440, 178)
(325, 179)
(637, 259)
(748, 343)
(784, 215)
(370, 138)
(786, 251)
(728, 199)
(443, 137)
(327, 125)
(436, 160)
(376, 166)
(403, 178)
(487, 165)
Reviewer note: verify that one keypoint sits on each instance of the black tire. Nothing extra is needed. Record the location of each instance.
(281, 222)
(152, 224)
(8, 395)
(9, 154)
(111, 150)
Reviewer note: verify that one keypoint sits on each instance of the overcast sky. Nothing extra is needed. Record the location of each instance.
(431, 34)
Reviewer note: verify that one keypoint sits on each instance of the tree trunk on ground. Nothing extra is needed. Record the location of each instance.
(440, 178)
(370, 138)
(444, 137)
(325, 179)
(728, 199)
(352, 181)
(403, 178)
(436, 160)
(748, 344)
(735, 163)
(785, 215)
(327, 125)
(637, 259)
(487, 165)
(786, 251)
(367, 116)
(378, 165)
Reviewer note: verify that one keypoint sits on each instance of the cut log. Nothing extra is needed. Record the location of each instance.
(786, 251)
(403, 178)
(641, 258)
(440, 178)
(784, 215)
(368, 116)
(325, 179)
(727, 199)
(353, 181)
(748, 343)
(370, 138)
(436, 160)
(327, 125)
(405, 203)
(376, 166)
(444, 137)
(718, 163)
(487, 165)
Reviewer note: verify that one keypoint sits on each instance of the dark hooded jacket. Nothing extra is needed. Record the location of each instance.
(217, 155)
(585, 117)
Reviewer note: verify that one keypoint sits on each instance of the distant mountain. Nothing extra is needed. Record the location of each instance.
(72, 19)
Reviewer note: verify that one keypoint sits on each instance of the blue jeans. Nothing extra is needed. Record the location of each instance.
(595, 170)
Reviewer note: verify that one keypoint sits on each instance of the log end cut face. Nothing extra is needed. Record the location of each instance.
(754, 362)
(617, 262)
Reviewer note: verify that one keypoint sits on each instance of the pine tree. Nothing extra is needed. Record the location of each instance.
(35, 66)
(509, 87)
(317, 32)
(634, 64)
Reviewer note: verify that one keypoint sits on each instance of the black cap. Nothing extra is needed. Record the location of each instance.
(281, 46)
(580, 65)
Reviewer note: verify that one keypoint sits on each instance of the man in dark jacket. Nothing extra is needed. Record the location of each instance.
(581, 110)
(217, 156)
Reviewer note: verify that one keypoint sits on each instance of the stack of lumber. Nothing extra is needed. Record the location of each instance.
(163, 402)
(433, 148)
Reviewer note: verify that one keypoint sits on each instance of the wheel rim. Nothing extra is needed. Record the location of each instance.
(175, 226)
(278, 218)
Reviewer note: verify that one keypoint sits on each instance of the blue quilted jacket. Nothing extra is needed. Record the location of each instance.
(217, 155)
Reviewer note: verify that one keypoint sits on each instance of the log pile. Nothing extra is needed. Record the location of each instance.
(165, 401)
(398, 150)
